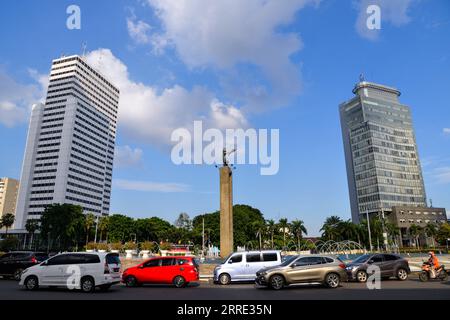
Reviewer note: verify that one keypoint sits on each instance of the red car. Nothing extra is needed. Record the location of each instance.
(165, 270)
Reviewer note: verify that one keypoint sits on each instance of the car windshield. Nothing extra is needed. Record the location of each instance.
(362, 259)
(288, 260)
(228, 257)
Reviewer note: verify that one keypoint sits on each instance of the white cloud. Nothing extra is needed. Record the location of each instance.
(446, 130)
(394, 12)
(16, 100)
(223, 34)
(125, 156)
(150, 115)
(138, 30)
(148, 186)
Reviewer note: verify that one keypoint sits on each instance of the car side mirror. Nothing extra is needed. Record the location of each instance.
(230, 261)
(141, 267)
(44, 263)
(370, 261)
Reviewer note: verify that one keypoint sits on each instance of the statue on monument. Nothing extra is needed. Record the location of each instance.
(225, 156)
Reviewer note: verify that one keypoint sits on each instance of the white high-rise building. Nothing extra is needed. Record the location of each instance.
(70, 145)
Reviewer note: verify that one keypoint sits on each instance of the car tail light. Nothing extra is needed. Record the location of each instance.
(106, 268)
(34, 260)
(342, 266)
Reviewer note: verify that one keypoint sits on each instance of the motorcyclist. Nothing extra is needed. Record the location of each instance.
(434, 264)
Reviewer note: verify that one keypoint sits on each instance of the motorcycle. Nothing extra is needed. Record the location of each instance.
(440, 274)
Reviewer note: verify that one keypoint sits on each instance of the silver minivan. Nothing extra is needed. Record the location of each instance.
(243, 266)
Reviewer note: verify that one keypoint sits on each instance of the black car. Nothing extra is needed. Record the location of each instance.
(13, 263)
(391, 265)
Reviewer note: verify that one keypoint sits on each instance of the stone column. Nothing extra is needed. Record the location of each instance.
(226, 211)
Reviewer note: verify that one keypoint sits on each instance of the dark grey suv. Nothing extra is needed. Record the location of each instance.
(391, 265)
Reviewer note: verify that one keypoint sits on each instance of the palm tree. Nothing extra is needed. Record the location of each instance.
(330, 228)
(298, 228)
(271, 227)
(259, 227)
(347, 230)
(415, 231)
(431, 231)
(393, 232)
(7, 221)
(88, 224)
(32, 225)
(103, 225)
(283, 225)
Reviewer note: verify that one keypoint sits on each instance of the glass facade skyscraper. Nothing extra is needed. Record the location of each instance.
(383, 166)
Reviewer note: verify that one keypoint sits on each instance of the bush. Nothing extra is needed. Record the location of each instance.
(91, 246)
(102, 246)
(147, 245)
(116, 246)
(165, 246)
(130, 246)
(9, 244)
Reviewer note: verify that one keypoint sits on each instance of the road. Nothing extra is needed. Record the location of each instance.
(391, 290)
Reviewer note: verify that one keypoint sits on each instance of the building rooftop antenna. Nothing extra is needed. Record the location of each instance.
(361, 77)
(83, 49)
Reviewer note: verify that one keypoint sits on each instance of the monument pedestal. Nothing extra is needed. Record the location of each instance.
(226, 211)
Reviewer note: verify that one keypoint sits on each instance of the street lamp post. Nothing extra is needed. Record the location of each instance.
(368, 228)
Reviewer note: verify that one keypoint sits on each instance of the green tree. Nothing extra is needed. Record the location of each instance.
(32, 225)
(416, 231)
(64, 224)
(103, 224)
(393, 232)
(284, 227)
(89, 222)
(7, 221)
(443, 233)
(246, 220)
(271, 228)
(330, 230)
(183, 221)
(120, 228)
(431, 231)
(298, 229)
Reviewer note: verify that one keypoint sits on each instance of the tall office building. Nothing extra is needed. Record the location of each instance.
(8, 195)
(70, 145)
(383, 167)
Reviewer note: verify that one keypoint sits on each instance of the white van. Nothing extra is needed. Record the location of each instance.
(242, 266)
(84, 271)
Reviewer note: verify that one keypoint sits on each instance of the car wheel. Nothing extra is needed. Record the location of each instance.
(361, 276)
(402, 274)
(179, 282)
(87, 285)
(131, 281)
(31, 283)
(276, 282)
(17, 274)
(224, 279)
(332, 280)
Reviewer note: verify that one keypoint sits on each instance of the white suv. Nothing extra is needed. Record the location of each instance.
(84, 271)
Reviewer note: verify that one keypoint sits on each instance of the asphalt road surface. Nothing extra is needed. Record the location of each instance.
(411, 289)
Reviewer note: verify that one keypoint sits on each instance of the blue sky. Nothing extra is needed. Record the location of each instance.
(262, 64)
